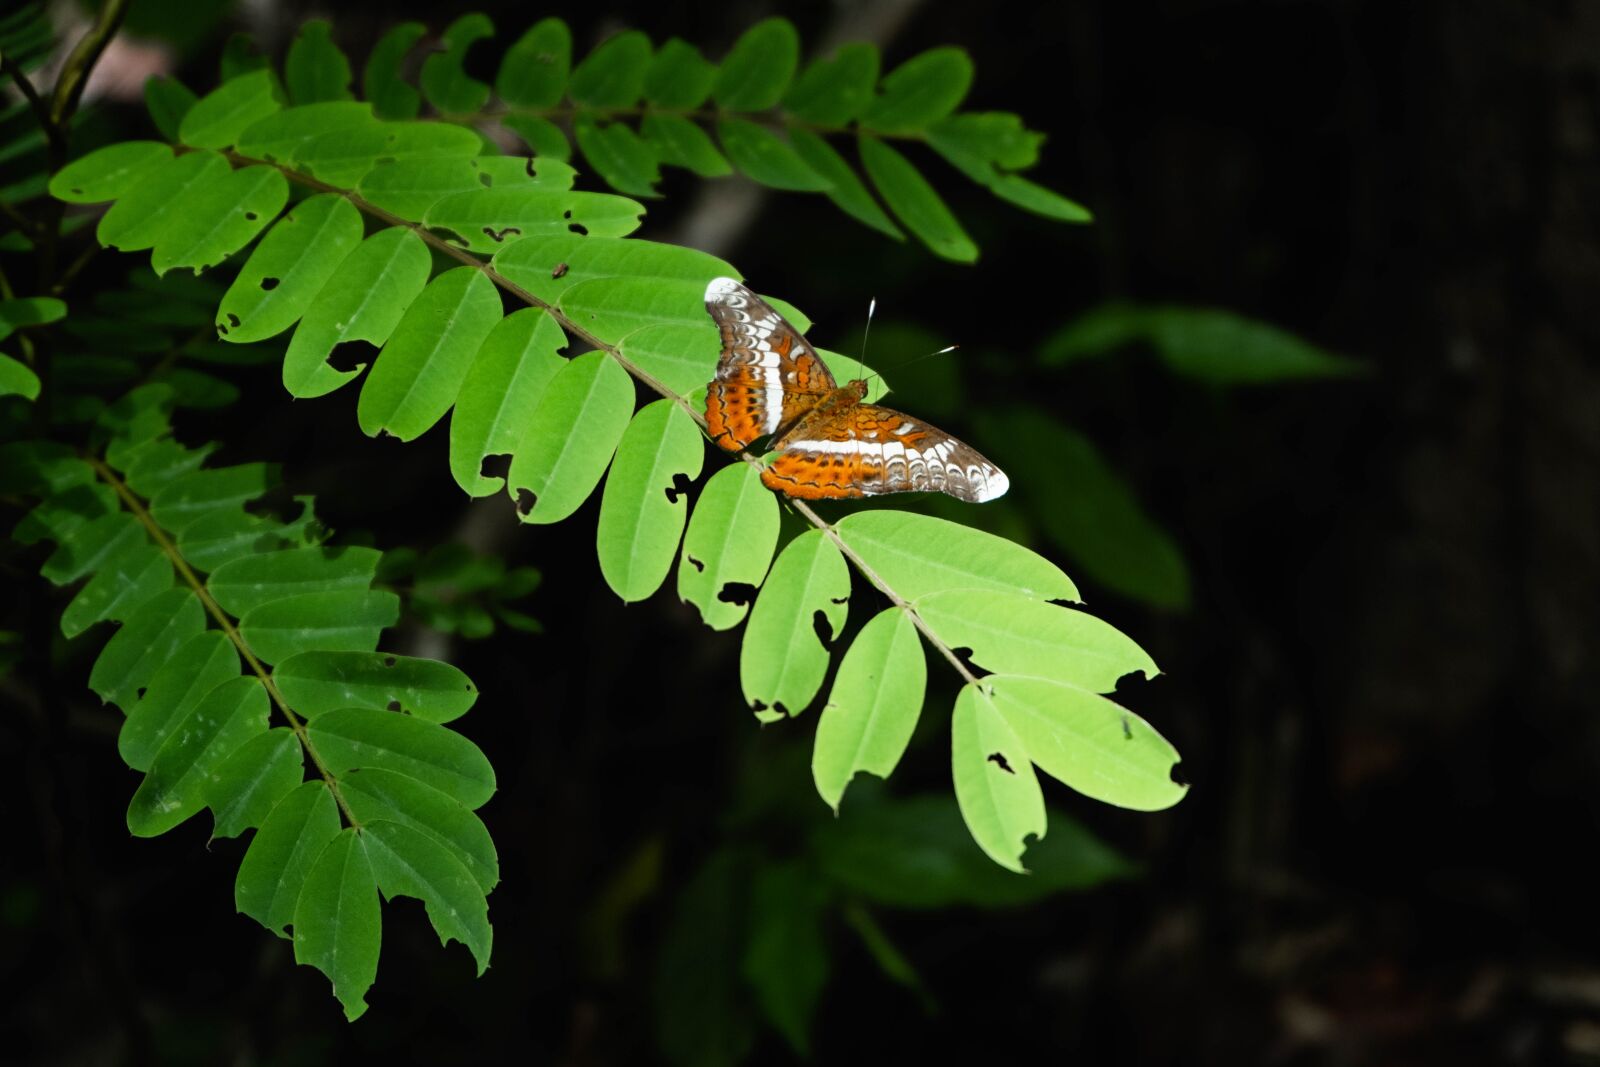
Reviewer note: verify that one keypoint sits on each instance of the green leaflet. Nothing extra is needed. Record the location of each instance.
(283, 135)
(508, 378)
(91, 546)
(534, 71)
(315, 683)
(409, 189)
(833, 91)
(612, 308)
(920, 91)
(335, 620)
(728, 545)
(786, 956)
(410, 863)
(364, 738)
(618, 155)
(873, 708)
(391, 96)
(362, 301)
(343, 157)
(556, 464)
(168, 100)
(208, 490)
(218, 118)
(996, 788)
(613, 74)
(1012, 634)
(126, 580)
(444, 79)
(1093, 745)
(175, 787)
(29, 311)
(679, 76)
(918, 554)
(845, 189)
(681, 143)
(767, 158)
(375, 793)
(212, 540)
(994, 137)
(251, 581)
(248, 785)
(109, 173)
(16, 379)
(217, 218)
(643, 509)
(548, 266)
(337, 922)
(199, 666)
(315, 69)
(160, 194)
(155, 630)
(543, 137)
(274, 868)
(797, 616)
(680, 356)
(487, 219)
(759, 67)
(416, 379)
(702, 1018)
(1031, 196)
(289, 268)
(915, 202)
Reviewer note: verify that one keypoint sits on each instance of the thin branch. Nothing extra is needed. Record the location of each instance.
(75, 71)
(463, 256)
(227, 625)
(41, 112)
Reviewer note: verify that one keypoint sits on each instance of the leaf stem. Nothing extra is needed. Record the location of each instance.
(75, 71)
(224, 622)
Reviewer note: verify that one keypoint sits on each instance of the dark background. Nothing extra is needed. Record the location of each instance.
(1383, 689)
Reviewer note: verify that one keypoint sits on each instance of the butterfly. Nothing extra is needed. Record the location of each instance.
(828, 442)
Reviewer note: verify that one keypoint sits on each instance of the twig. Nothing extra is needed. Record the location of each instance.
(75, 71)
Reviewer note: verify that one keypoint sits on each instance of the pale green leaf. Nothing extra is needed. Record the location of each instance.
(612, 308)
(244, 789)
(175, 787)
(338, 926)
(613, 74)
(315, 69)
(506, 382)
(680, 356)
(363, 738)
(487, 219)
(548, 266)
(996, 788)
(797, 616)
(274, 867)
(728, 546)
(289, 268)
(154, 632)
(833, 91)
(363, 301)
(335, 620)
(628, 163)
(198, 667)
(534, 71)
(643, 509)
(283, 135)
(409, 189)
(109, 173)
(251, 581)
(342, 157)
(444, 79)
(1013, 634)
(767, 158)
(759, 67)
(921, 91)
(682, 143)
(375, 793)
(845, 189)
(218, 118)
(873, 707)
(915, 202)
(410, 863)
(786, 956)
(917, 554)
(391, 96)
(570, 438)
(679, 76)
(315, 683)
(417, 377)
(216, 219)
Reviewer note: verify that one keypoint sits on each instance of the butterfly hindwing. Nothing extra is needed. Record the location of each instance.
(867, 450)
(767, 375)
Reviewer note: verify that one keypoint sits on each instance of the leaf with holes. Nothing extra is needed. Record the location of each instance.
(109, 173)
(391, 96)
(364, 738)
(728, 545)
(873, 708)
(996, 788)
(315, 683)
(919, 554)
(643, 509)
(175, 786)
(218, 218)
(797, 616)
(508, 378)
(570, 438)
(486, 220)
(410, 863)
(338, 925)
(289, 268)
(209, 490)
(444, 78)
(548, 266)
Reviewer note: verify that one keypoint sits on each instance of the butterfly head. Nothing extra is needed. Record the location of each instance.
(858, 387)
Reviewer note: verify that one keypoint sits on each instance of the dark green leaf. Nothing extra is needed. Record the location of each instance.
(833, 91)
(627, 163)
(251, 581)
(534, 71)
(218, 118)
(375, 793)
(759, 67)
(679, 77)
(543, 137)
(410, 863)
(362, 738)
(786, 959)
(315, 69)
(920, 91)
(198, 667)
(845, 188)
(391, 96)
(914, 201)
(248, 785)
(444, 78)
(1033, 197)
(338, 926)
(274, 868)
(175, 787)
(682, 143)
(613, 74)
(335, 620)
(168, 100)
(315, 683)
(153, 633)
(703, 1018)
(764, 156)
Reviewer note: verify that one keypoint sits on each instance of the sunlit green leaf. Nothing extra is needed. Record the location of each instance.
(797, 616)
(728, 546)
(218, 118)
(289, 268)
(680, 356)
(873, 707)
(109, 173)
(996, 788)
(570, 438)
(244, 789)
(918, 554)
(506, 382)
(548, 266)
(487, 219)
(282, 136)
(342, 157)
(338, 926)
(365, 738)
(612, 308)
(316, 683)
(643, 509)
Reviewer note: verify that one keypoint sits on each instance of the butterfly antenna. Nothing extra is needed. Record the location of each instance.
(918, 359)
(861, 360)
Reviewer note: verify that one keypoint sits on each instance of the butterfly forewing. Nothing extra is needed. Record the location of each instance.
(867, 450)
(767, 376)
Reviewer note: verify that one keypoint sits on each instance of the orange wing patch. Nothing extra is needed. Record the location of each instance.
(815, 476)
(767, 376)
(736, 411)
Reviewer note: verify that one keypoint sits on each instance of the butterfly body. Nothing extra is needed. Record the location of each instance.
(829, 442)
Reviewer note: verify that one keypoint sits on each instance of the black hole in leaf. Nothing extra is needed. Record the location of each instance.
(841, 599)
(497, 465)
(389, 661)
(528, 166)
(559, 270)
(525, 501)
(964, 654)
(269, 284)
(352, 355)
(251, 215)
(579, 228)
(777, 706)
(469, 687)
(999, 760)
(567, 214)
(486, 179)
(759, 705)
(1177, 775)
(737, 593)
(77, 191)
(1061, 602)
(696, 563)
(679, 487)
(393, 705)
(824, 628)
(140, 692)
(222, 329)
(500, 234)
(233, 320)
(276, 503)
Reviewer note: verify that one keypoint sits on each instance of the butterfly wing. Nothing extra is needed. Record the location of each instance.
(767, 377)
(868, 450)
